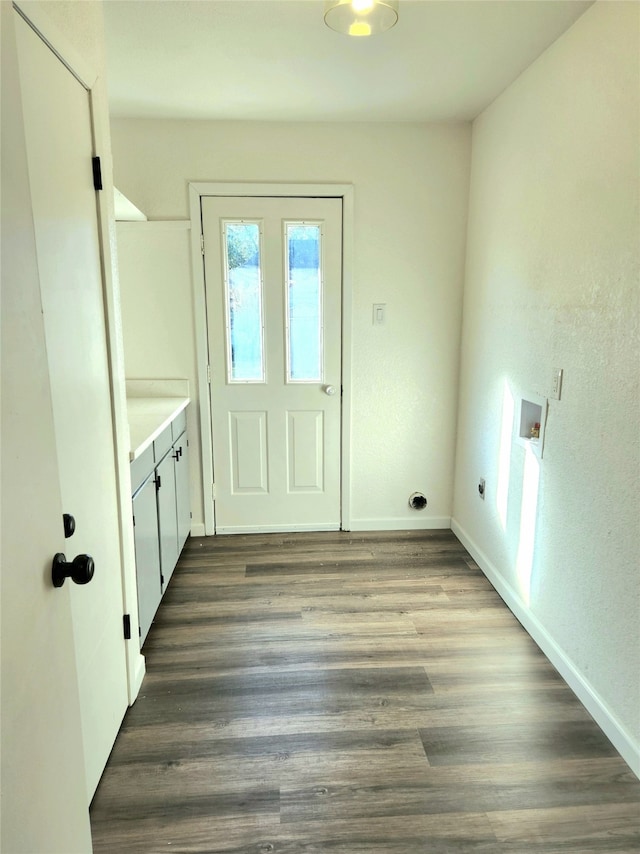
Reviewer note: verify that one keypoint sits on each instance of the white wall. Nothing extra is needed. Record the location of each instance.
(157, 319)
(81, 24)
(552, 281)
(411, 186)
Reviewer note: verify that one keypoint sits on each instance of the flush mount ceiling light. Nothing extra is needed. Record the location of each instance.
(360, 17)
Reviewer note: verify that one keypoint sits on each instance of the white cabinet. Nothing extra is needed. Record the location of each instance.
(147, 545)
(167, 518)
(161, 515)
(182, 490)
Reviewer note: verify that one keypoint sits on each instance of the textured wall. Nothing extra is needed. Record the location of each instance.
(411, 185)
(552, 281)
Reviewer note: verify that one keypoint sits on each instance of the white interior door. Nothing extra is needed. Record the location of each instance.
(273, 272)
(58, 130)
(43, 789)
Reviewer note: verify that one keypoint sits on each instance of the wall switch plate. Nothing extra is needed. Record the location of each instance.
(556, 383)
(379, 313)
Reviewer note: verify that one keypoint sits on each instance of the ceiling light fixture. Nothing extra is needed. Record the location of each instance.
(360, 17)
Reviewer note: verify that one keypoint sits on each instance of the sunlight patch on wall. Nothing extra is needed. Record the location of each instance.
(526, 543)
(504, 455)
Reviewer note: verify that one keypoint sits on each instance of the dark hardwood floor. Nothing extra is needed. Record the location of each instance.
(353, 693)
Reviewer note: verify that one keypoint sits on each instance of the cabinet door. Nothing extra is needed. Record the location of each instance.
(145, 534)
(183, 498)
(167, 518)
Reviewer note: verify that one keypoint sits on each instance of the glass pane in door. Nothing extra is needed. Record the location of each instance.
(243, 298)
(304, 302)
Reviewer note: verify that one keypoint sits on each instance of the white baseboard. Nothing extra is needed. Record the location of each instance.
(408, 523)
(621, 739)
(274, 529)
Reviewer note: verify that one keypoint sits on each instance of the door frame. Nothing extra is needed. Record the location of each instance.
(197, 190)
(35, 15)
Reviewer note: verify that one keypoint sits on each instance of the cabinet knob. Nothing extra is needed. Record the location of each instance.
(80, 569)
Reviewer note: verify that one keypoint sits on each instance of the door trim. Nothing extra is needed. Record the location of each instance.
(197, 190)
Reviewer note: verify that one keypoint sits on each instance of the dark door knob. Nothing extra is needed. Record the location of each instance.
(69, 525)
(79, 570)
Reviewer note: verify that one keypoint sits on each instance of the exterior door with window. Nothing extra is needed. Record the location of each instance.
(273, 272)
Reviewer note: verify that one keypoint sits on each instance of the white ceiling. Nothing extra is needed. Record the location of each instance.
(275, 60)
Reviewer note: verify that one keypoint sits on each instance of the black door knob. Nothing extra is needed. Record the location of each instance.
(79, 570)
(69, 525)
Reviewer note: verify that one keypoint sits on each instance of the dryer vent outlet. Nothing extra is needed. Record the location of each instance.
(417, 501)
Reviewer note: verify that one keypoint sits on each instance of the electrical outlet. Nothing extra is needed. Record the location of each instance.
(481, 488)
(556, 383)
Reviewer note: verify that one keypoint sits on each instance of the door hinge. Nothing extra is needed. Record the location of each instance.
(134, 521)
(213, 490)
(202, 244)
(158, 482)
(126, 623)
(209, 374)
(162, 579)
(97, 173)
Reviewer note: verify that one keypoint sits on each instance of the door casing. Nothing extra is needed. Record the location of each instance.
(343, 191)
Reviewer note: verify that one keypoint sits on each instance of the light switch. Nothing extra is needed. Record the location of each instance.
(556, 383)
(379, 311)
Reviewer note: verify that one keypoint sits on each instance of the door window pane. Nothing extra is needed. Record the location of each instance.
(243, 292)
(304, 302)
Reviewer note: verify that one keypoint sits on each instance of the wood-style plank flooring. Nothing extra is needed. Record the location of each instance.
(353, 694)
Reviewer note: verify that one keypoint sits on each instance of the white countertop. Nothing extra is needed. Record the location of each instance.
(148, 417)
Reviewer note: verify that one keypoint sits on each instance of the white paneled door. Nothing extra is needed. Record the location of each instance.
(57, 117)
(273, 273)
